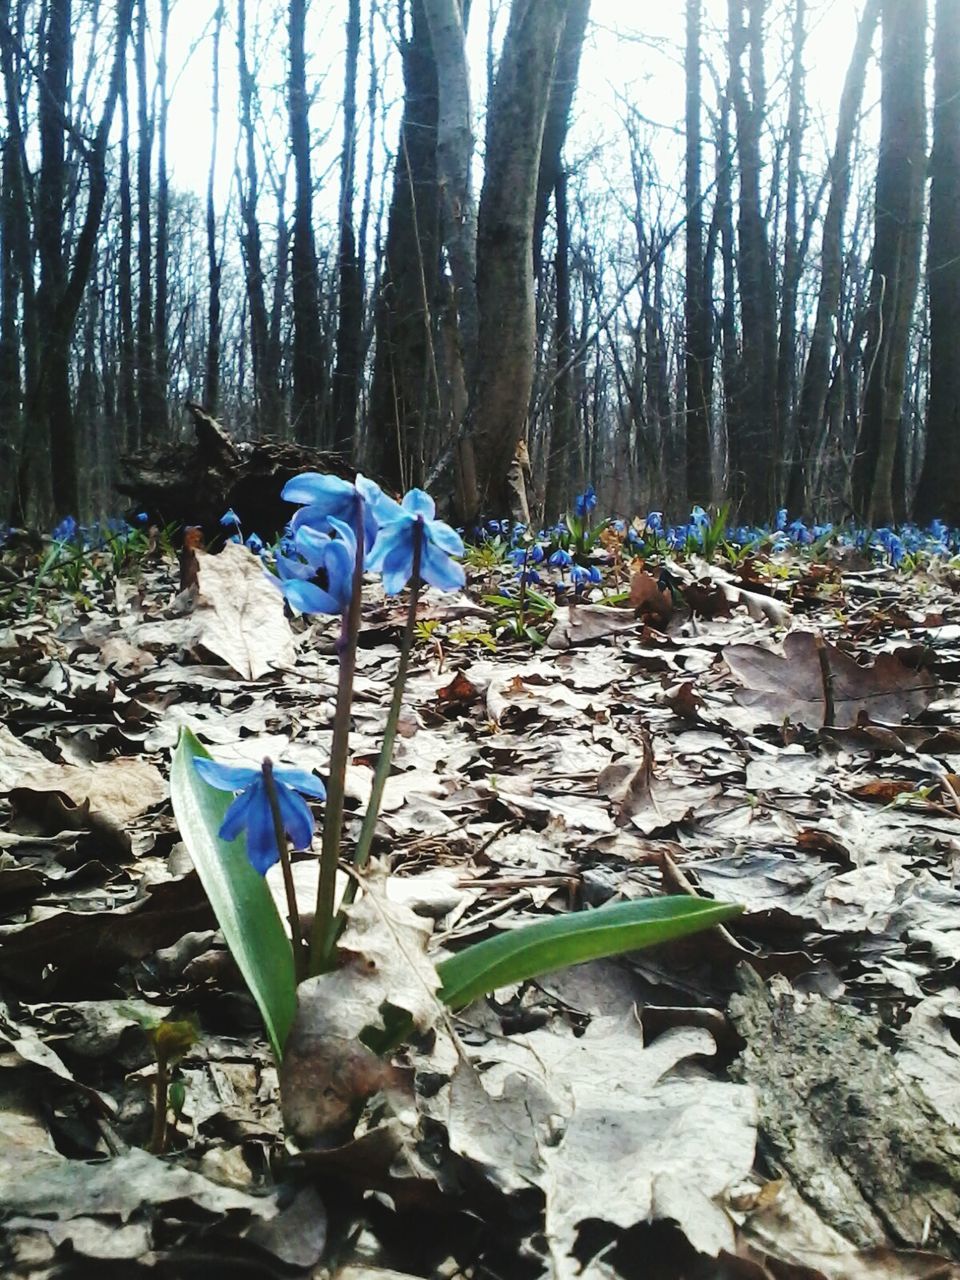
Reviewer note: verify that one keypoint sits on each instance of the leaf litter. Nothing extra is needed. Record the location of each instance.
(774, 1099)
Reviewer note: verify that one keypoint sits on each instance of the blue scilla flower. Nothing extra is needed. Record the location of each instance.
(699, 518)
(594, 573)
(230, 519)
(561, 559)
(781, 521)
(585, 502)
(530, 577)
(325, 496)
(255, 544)
(579, 576)
(393, 551)
(251, 811)
(654, 521)
(799, 532)
(67, 530)
(333, 555)
(536, 554)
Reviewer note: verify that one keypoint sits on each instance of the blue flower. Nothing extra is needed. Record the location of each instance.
(393, 550)
(595, 574)
(781, 521)
(561, 559)
(251, 811)
(654, 521)
(579, 576)
(67, 530)
(255, 543)
(333, 557)
(699, 518)
(230, 519)
(328, 496)
(530, 577)
(585, 502)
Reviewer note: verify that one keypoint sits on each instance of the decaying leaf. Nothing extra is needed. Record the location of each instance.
(240, 615)
(790, 686)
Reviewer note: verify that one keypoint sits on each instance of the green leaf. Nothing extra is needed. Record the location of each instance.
(536, 949)
(241, 901)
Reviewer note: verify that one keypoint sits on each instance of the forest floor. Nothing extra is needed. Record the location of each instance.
(780, 1098)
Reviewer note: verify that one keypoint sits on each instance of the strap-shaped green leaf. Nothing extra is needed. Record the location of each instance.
(241, 901)
(535, 949)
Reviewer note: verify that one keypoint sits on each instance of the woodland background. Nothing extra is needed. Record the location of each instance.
(762, 312)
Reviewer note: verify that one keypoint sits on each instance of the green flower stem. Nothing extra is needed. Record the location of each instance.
(283, 849)
(324, 933)
(385, 758)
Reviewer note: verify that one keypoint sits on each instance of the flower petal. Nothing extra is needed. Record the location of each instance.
(225, 777)
(419, 503)
(439, 570)
(307, 597)
(319, 490)
(261, 839)
(444, 537)
(301, 780)
(397, 533)
(397, 565)
(383, 507)
(297, 818)
(236, 817)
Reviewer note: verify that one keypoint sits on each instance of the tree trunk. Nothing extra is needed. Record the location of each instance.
(129, 430)
(561, 437)
(791, 252)
(147, 405)
(505, 284)
(404, 399)
(816, 374)
(267, 404)
(162, 247)
(211, 394)
(346, 375)
(458, 210)
(698, 349)
(898, 226)
(938, 494)
(309, 389)
(50, 406)
(752, 446)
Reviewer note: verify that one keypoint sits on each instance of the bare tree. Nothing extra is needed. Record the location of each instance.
(309, 364)
(938, 493)
(898, 227)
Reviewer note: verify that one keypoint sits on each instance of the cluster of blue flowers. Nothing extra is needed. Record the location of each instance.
(91, 537)
(324, 538)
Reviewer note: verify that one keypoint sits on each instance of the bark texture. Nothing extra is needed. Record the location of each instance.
(938, 494)
(505, 281)
(898, 228)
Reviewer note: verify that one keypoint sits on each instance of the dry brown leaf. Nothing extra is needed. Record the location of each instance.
(240, 615)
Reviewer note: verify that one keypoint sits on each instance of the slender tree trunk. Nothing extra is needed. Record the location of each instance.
(753, 446)
(458, 220)
(938, 494)
(791, 251)
(346, 375)
(161, 302)
(698, 350)
(146, 355)
(211, 394)
(561, 437)
(127, 383)
(308, 348)
(898, 226)
(267, 407)
(505, 285)
(555, 127)
(816, 374)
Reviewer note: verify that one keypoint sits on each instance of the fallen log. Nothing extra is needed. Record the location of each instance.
(194, 482)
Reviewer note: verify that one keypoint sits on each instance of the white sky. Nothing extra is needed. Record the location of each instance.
(633, 53)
